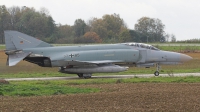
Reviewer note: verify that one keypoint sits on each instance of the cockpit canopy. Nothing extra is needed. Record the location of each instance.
(142, 45)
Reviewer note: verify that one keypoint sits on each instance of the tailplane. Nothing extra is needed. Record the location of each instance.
(15, 40)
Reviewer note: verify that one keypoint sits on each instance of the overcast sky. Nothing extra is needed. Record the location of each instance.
(180, 17)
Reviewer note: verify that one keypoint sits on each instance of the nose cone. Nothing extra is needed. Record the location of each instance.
(184, 58)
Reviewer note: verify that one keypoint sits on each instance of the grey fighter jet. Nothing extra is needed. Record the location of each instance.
(84, 60)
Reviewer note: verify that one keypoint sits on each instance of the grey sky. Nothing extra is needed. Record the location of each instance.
(181, 17)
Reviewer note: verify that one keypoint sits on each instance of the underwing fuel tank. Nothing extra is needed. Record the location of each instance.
(96, 69)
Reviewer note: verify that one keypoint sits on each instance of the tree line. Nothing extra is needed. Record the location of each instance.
(108, 29)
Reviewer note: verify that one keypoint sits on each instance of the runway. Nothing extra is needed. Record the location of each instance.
(105, 76)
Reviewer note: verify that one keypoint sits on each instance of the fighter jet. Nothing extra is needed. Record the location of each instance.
(84, 60)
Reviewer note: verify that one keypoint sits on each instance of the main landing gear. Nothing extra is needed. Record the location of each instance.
(156, 73)
(86, 76)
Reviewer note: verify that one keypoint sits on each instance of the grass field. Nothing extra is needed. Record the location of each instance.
(41, 88)
(2, 47)
(120, 97)
(181, 48)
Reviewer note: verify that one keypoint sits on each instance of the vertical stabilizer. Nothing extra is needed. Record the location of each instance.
(17, 41)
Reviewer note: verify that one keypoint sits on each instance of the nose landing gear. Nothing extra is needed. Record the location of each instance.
(156, 73)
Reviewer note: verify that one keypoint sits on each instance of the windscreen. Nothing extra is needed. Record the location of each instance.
(142, 45)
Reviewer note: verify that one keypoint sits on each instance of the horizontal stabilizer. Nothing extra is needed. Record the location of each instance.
(16, 58)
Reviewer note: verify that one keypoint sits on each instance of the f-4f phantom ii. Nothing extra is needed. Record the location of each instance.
(84, 60)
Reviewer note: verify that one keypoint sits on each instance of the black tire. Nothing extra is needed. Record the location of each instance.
(87, 77)
(80, 75)
(156, 73)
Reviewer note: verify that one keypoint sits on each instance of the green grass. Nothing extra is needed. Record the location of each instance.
(40, 88)
(2, 47)
(179, 48)
(189, 79)
(32, 75)
(56, 87)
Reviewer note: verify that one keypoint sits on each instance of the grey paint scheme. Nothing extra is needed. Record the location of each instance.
(73, 59)
(60, 56)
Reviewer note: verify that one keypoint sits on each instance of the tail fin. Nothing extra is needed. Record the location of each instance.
(17, 41)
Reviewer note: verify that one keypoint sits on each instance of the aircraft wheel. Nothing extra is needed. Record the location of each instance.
(156, 73)
(80, 75)
(87, 77)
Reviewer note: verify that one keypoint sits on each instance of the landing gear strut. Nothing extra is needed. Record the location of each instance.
(156, 73)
